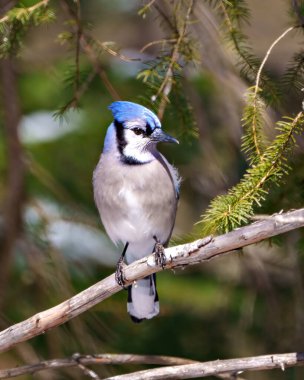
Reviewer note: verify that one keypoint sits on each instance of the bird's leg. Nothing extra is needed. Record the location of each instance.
(160, 258)
(119, 275)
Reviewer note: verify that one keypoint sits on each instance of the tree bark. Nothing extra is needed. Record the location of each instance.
(13, 201)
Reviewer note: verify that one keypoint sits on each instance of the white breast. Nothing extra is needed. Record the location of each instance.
(136, 202)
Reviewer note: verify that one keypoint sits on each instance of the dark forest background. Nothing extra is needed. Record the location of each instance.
(52, 244)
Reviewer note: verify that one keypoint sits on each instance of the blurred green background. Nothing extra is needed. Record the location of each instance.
(247, 303)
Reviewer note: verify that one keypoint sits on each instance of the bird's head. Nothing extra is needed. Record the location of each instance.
(137, 131)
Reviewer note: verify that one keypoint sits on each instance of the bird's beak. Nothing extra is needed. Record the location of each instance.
(160, 136)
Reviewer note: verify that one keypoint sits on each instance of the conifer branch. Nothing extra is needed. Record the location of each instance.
(253, 112)
(227, 212)
(166, 85)
(29, 10)
(84, 43)
(268, 164)
(146, 7)
(161, 74)
(234, 13)
(293, 77)
(253, 140)
(17, 21)
(77, 50)
(238, 38)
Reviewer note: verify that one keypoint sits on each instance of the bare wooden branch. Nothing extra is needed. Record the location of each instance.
(85, 360)
(185, 254)
(175, 367)
(234, 366)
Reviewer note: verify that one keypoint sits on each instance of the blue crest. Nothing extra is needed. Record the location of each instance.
(126, 111)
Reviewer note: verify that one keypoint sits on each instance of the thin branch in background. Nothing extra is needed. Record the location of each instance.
(234, 366)
(178, 256)
(173, 367)
(106, 47)
(166, 85)
(87, 371)
(82, 361)
(158, 42)
(77, 50)
(98, 68)
(275, 42)
(91, 54)
(145, 8)
(73, 103)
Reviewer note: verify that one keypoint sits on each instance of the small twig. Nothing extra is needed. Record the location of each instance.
(105, 46)
(146, 7)
(258, 77)
(87, 371)
(163, 41)
(89, 51)
(87, 48)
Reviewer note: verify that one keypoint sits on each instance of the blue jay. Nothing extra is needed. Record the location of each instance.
(136, 192)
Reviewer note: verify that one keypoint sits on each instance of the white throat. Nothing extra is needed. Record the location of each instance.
(137, 153)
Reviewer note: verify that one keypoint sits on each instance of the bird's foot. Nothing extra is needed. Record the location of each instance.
(119, 274)
(160, 257)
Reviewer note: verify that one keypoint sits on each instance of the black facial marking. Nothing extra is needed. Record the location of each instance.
(121, 141)
(148, 129)
(121, 144)
(128, 160)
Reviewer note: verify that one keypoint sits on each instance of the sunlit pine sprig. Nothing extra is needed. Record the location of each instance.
(227, 212)
(253, 139)
(17, 21)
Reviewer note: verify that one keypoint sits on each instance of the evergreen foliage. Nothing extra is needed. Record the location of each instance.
(235, 14)
(227, 212)
(17, 21)
(253, 140)
(163, 77)
(293, 79)
(268, 162)
(177, 50)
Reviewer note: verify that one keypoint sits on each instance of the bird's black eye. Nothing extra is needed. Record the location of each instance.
(138, 131)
